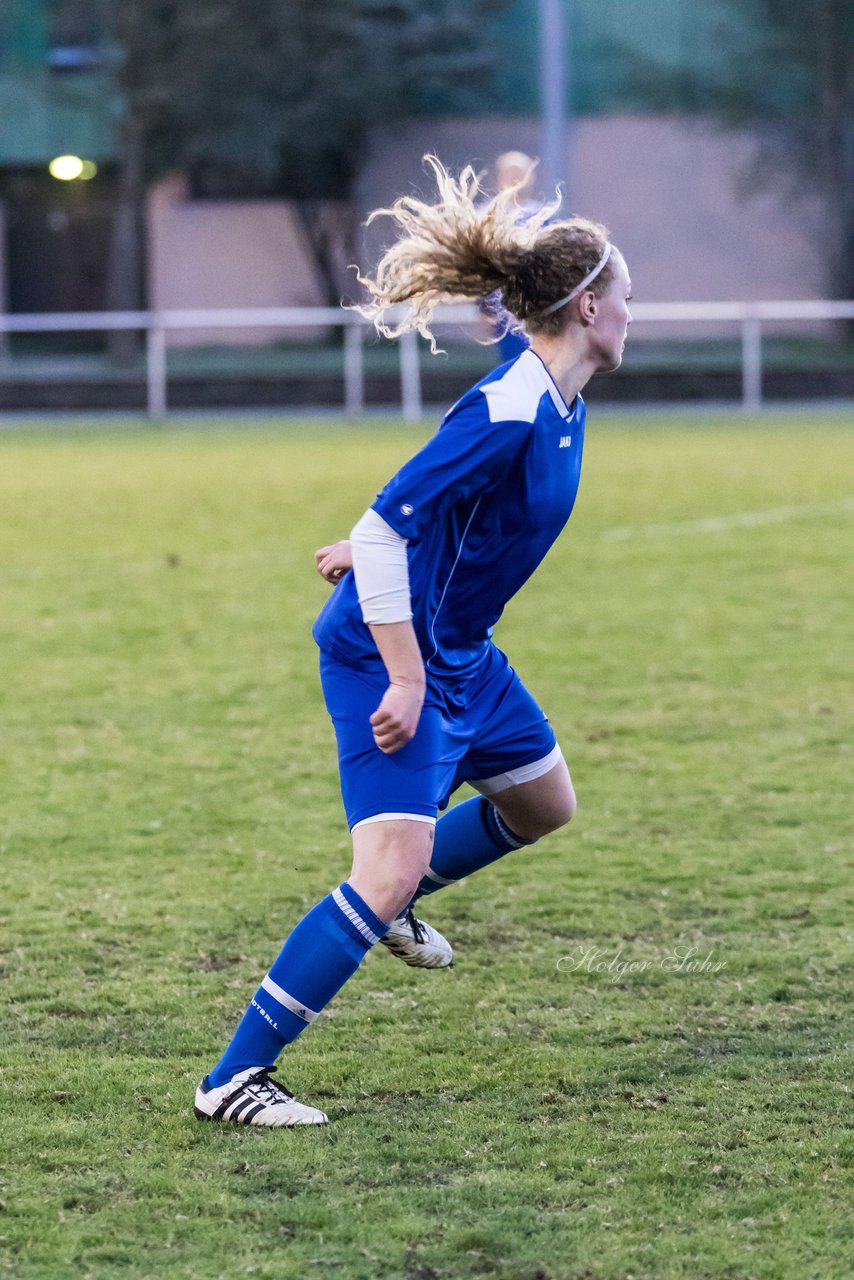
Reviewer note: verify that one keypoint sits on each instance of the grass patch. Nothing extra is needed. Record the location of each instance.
(585, 1095)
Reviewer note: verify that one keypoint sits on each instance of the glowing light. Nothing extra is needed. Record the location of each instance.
(89, 170)
(66, 168)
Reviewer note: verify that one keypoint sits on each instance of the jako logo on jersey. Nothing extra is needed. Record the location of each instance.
(407, 509)
(565, 442)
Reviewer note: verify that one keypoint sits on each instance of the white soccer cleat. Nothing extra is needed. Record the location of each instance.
(251, 1097)
(417, 943)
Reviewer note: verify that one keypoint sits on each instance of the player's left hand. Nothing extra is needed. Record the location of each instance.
(396, 718)
(334, 561)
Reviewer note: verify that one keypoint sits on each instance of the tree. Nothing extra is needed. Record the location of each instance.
(278, 97)
(785, 72)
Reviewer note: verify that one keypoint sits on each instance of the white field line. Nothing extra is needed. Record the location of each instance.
(723, 524)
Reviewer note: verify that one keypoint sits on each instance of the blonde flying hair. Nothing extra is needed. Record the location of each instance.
(463, 247)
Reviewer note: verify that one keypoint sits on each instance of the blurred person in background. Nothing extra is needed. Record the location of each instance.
(514, 174)
(515, 170)
(420, 697)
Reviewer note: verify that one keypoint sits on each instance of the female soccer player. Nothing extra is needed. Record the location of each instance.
(420, 697)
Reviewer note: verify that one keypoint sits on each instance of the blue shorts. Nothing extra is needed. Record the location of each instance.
(486, 730)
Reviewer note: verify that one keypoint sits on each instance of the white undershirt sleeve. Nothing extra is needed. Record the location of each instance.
(381, 570)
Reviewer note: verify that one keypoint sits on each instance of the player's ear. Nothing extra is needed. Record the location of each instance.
(587, 307)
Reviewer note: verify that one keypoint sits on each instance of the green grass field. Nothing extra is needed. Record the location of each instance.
(637, 1067)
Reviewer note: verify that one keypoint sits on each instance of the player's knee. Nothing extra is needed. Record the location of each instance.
(403, 870)
(553, 818)
(402, 883)
(556, 804)
(570, 806)
(548, 816)
(563, 807)
(387, 894)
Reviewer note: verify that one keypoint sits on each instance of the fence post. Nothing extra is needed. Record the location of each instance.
(155, 365)
(410, 377)
(751, 364)
(354, 369)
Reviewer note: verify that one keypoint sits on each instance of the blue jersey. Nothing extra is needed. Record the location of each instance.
(479, 505)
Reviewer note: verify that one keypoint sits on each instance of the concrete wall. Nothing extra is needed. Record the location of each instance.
(668, 189)
(226, 253)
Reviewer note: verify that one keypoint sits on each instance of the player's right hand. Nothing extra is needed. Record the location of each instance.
(334, 561)
(396, 718)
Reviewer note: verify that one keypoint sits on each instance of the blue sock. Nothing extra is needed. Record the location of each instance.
(468, 837)
(323, 951)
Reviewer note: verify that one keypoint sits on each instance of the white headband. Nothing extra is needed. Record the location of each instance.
(582, 284)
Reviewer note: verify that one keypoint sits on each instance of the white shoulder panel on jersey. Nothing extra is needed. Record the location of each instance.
(516, 396)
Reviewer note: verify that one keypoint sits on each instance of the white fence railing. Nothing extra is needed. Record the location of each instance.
(749, 318)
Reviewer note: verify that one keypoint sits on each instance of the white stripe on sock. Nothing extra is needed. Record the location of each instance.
(512, 839)
(284, 998)
(352, 915)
